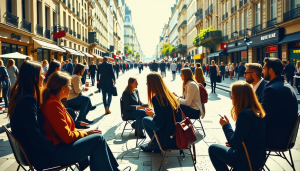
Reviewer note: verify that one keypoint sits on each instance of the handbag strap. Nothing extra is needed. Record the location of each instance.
(247, 156)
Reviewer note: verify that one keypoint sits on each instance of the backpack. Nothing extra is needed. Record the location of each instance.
(203, 94)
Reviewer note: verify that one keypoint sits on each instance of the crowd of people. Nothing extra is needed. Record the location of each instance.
(41, 104)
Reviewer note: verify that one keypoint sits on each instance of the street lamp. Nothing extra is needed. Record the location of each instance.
(247, 40)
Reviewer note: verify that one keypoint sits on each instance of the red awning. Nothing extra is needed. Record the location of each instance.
(96, 56)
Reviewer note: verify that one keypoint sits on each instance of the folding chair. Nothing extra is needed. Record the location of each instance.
(200, 127)
(21, 156)
(290, 145)
(127, 122)
(165, 151)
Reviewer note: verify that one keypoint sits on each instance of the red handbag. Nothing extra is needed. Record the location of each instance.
(185, 133)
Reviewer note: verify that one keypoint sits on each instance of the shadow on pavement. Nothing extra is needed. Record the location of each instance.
(98, 119)
(213, 97)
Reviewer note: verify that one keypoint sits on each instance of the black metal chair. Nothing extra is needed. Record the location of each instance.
(290, 145)
(200, 127)
(21, 156)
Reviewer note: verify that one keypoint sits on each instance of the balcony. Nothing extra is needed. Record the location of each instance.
(70, 32)
(74, 33)
(12, 19)
(224, 38)
(184, 7)
(232, 36)
(182, 24)
(294, 13)
(78, 36)
(39, 30)
(271, 23)
(224, 16)
(69, 5)
(48, 34)
(26, 25)
(242, 32)
(233, 9)
(211, 36)
(256, 29)
(66, 29)
(199, 15)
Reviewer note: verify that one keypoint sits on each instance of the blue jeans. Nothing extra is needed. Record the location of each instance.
(85, 105)
(190, 112)
(138, 116)
(149, 126)
(5, 96)
(95, 146)
(219, 155)
(106, 90)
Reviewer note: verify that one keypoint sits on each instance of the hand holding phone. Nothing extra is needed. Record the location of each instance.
(220, 115)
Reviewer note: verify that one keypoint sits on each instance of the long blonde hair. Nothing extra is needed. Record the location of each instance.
(129, 87)
(157, 87)
(298, 65)
(10, 63)
(243, 97)
(188, 76)
(199, 76)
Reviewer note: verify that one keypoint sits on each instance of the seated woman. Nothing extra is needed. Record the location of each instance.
(250, 131)
(76, 98)
(199, 76)
(190, 102)
(132, 109)
(59, 128)
(54, 66)
(165, 106)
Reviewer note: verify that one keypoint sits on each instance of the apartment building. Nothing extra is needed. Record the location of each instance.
(28, 28)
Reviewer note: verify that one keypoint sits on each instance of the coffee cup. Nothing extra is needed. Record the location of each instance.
(86, 89)
(87, 84)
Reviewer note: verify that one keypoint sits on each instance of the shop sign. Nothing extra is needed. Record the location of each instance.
(235, 44)
(296, 51)
(223, 46)
(271, 49)
(14, 36)
(269, 36)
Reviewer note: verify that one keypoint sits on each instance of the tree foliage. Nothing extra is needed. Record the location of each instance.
(200, 37)
(168, 50)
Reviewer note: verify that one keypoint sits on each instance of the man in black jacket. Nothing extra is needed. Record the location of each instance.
(280, 104)
(163, 69)
(140, 65)
(154, 66)
(117, 68)
(222, 70)
(106, 80)
(241, 70)
(179, 66)
(289, 72)
(92, 70)
(168, 65)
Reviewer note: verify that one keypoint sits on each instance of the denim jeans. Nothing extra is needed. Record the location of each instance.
(220, 155)
(138, 116)
(95, 146)
(106, 91)
(5, 96)
(85, 105)
(149, 126)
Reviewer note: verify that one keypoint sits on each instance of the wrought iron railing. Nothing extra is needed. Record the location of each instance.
(70, 32)
(12, 19)
(242, 32)
(39, 30)
(182, 24)
(66, 29)
(256, 28)
(26, 25)
(232, 35)
(271, 23)
(199, 15)
(213, 34)
(74, 33)
(48, 33)
(233, 9)
(294, 13)
(78, 36)
(224, 38)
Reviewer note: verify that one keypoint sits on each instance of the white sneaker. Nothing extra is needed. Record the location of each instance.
(5, 110)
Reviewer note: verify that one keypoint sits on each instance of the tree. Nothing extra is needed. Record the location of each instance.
(200, 37)
(137, 56)
(167, 50)
(126, 47)
(129, 51)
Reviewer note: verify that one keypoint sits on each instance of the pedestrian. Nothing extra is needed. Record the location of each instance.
(290, 72)
(199, 76)
(231, 70)
(63, 66)
(173, 69)
(198, 65)
(253, 75)
(154, 66)
(69, 68)
(123, 67)
(222, 70)
(12, 71)
(248, 138)
(190, 102)
(178, 67)
(163, 67)
(92, 71)
(150, 66)
(5, 82)
(226, 70)
(140, 67)
(168, 66)
(106, 80)
(45, 66)
(280, 103)
(53, 67)
(186, 65)
(117, 69)
(86, 69)
(193, 69)
(236, 69)
(297, 77)
(203, 69)
(207, 70)
(213, 73)
(241, 70)
(76, 98)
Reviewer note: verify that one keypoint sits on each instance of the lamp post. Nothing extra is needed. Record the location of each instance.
(247, 40)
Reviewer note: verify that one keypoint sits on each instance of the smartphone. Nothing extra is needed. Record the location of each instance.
(220, 115)
(97, 127)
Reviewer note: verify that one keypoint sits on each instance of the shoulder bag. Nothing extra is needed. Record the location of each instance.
(114, 91)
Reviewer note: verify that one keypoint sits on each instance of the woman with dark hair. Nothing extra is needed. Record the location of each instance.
(165, 106)
(213, 73)
(76, 98)
(133, 108)
(54, 66)
(5, 82)
(249, 134)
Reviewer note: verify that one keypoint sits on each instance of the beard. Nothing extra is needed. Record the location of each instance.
(250, 80)
(267, 76)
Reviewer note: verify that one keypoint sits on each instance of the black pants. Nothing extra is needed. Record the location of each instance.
(213, 83)
(297, 83)
(140, 70)
(241, 74)
(290, 79)
(93, 78)
(117, 73)
(222, 75)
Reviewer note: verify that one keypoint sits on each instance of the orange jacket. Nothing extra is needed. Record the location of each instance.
(59, 125)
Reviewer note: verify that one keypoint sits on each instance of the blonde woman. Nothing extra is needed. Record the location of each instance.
(231, 70)
(12, 71)
(297, 76)
(250, 130)
(45, 66)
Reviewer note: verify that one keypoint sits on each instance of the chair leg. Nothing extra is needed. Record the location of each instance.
(124, 128)
(266, 159)
(18, 167)
(292, 162)
(162, 160)
(202, 127)
(193, 159)
(78, 167)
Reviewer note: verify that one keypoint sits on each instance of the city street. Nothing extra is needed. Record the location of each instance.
(124, 148)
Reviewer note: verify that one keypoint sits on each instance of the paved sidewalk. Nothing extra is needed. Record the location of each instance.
(124, 148)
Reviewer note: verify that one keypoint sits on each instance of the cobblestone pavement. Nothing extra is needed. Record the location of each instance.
(124, 147)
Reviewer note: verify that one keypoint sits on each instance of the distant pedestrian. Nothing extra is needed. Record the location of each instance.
(193, 69)
(227, 70)
(231, 70)
(92, 71)
(163, 67)
(63, 66)
(70, 67)
(140, 65)
(178, 67)
(207, 70)
(297, 77)
(45, 66)
(203, 69)
(173, 69)
(241, 70)
(222, 70)
(12, 71)
(213, 73)
(236, 70)
(154, 66)
(117, 69)
(168, 66)
(289, 72)
(85, 73)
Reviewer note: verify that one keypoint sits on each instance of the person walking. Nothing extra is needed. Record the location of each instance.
(226, 70)
(178, 67)
(123, 67)
(154, 66)
(12, 71)
(168, 66)
(86, 69)
(150, 66)
(173, 69)
(207, 70)
(213, 73)
(63, 66)
(140, 67)
(193, 68)
(236, 70)
(117, 69)
(70, 68)
(106, 80)
(297, 77)
(249, 133)
(92, 71)
(241, 70)
(231, 70)
(290, 72)
(203, 68)
(45, 66)
(222, 70)
(5, 82)
(163, 67)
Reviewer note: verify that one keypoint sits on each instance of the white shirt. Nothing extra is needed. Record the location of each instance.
(86, 67)
(226, 68)
(173, 67)
(257, 85)
(231, 68)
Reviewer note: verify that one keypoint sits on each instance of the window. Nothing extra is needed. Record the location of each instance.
(224, 9)
(226, 6)
(38, 12)
(295, 4)
(246, 18)
(241, 21)
(8, 6)
(257, 13)
(232, 25)
(23, 9)
(232, 3)
(273, 9)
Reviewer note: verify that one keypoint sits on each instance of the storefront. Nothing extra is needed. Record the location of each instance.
(291, 43)
(215, 56)
(237, 52)
(73, 54)
(266, 45)
(46, 51)
(7, 48)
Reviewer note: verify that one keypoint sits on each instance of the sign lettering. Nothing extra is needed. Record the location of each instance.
(269, 36)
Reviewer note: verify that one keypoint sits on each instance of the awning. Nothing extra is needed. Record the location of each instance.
(219, 53)
(97, 56)
(242, 48)
(199, 56)
(16, 55)
(45, 45)
(87, 54)
(72, 51)
(295, 37)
